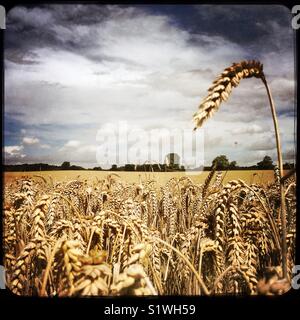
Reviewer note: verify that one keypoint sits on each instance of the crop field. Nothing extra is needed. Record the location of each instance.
(86, 233)
(249, 176)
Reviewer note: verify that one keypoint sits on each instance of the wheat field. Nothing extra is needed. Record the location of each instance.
(249, 176)
(108, 236)
(154, 233)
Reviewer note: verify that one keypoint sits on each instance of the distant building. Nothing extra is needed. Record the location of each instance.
(172, 160)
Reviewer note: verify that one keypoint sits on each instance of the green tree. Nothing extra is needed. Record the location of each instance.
(114, 167)
(221, 162)
(232, 165)
(66, 165)
(266, 163)
(129, 167)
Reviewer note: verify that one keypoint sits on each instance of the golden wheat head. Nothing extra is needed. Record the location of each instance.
(222, 86)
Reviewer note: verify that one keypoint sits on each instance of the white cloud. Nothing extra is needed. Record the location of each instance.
(263, 145)
(72, 144)
(87, 148)
(28, 140)
(79, 149)
(248, 129)
(45, 146)
(142, 58)
(76, 152)
(13, 154)
(11, 150)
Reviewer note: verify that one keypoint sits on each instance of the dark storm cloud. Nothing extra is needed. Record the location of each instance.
(30, 27)
(243, 24)
(65, 27)
(21, 57)
(69, 26)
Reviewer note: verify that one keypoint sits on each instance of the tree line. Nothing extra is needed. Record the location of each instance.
(221, 162)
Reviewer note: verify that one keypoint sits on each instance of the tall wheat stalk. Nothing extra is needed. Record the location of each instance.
(219, 92)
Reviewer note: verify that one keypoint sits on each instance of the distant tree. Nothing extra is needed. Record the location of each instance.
(129, 167)
(73, 167)
(176, 167)
(114, 167)
(66, 165)
(163, 167)
(221, 162)
(232, 165)
(147, 167)
(139, 167)
(97, 168)
(266, 163)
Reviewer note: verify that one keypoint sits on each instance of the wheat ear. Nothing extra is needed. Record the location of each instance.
(219, 92)
(222, 86)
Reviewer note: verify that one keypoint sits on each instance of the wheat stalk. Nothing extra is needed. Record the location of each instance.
(219, 92)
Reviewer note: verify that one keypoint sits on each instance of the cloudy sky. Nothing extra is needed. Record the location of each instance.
(71, 70)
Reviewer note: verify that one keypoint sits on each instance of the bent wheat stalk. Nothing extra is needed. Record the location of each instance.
(183, 257)
(48, 267)
(219, 92)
